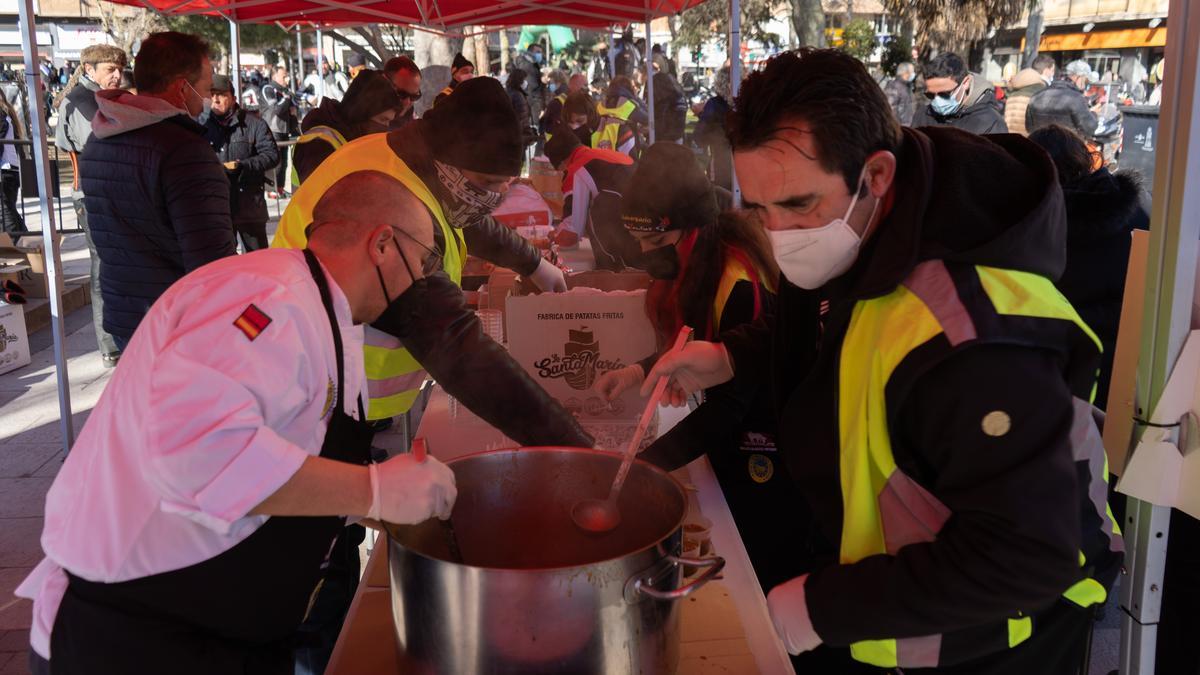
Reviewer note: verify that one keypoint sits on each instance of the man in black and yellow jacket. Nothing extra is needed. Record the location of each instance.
(460, 178)
(461, 70)
(930, 383)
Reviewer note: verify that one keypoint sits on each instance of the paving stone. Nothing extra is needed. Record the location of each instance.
(14, 641)
(20, 542)
(23, 497)
(18, 460)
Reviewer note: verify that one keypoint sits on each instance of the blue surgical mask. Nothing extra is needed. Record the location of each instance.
(553, 87)
(945, 106)
(537, 58)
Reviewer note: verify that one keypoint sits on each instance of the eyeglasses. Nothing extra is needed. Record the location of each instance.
(432, 263)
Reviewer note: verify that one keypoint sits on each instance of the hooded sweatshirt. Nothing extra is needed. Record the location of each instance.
(157, 200)
(980, 112)
(1013, 541)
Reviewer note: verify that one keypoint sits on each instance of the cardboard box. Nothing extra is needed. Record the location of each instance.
(34, 256)
(566, 341)
(14, 341)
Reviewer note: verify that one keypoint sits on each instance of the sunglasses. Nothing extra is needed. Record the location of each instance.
(408, 95)
(432, 264)
(944, 94)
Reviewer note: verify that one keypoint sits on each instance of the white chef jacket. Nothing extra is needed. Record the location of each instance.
(199, 424)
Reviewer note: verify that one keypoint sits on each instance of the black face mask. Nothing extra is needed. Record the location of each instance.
(383, 286)
(662, 262)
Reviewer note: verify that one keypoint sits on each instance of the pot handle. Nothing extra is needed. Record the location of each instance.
(714, 566)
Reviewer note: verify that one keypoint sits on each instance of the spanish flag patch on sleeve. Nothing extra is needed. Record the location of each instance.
(252, 322)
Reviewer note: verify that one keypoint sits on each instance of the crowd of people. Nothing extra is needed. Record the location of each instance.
(897, 513)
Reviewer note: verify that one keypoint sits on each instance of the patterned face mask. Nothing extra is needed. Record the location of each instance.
(466, 203)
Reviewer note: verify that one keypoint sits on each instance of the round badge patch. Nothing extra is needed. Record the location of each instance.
(996, 423)
(761, 468)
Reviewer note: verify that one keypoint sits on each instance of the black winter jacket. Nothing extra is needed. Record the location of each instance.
(900, 97)
(1103, 210)
(983, 115)
(1061, 103)
(520, 103)
(445, 336)
(157, 200)
(247, 140)
(670, 108)
(1013, 541)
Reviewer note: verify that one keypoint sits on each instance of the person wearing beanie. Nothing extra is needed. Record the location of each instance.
(368, 108)
(461, 70)
(355, 64)
(593, 184)
(713, 272)
(461, 178)
(246, 148)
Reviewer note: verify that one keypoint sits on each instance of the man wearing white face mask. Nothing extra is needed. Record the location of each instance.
(940, 428)
(157, 196)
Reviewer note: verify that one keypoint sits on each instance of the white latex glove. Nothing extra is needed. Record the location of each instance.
(789, 613)
(615, 382)
(549, 278)
(699, 365)
(406, 492)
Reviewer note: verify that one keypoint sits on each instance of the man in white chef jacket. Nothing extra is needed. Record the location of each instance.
(186, 531)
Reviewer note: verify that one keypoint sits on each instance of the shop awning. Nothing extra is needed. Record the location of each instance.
(445, 15)
(1103, 39)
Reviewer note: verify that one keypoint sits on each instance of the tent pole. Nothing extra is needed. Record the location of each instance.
(320, 75)
(41, 161)
(735, 75)
(298, 75)
(649, 81)
(1170, 279)
(235, 59)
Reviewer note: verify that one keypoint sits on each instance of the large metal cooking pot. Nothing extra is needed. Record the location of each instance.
(535, 594)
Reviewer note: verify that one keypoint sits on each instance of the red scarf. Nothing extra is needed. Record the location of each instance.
(581, 156)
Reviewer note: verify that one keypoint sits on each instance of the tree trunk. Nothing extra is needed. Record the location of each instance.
(1033, 35)
(482, 58)
(808, 18)
(503, 50)
(433, 55)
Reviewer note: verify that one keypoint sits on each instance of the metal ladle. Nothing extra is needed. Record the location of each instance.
(603, 515)
(420, 449)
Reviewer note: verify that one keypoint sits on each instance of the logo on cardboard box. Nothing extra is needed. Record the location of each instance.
(580, 363)
(5, 339)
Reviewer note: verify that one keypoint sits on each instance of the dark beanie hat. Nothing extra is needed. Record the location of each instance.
(562, 143)
(669, 191)
(222, 83)
(356, 60)
(369, 94)
(477, 129)
(461, 62)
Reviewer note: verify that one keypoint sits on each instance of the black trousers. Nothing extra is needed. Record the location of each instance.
(281, 171)
(10, 214)
(252, 234)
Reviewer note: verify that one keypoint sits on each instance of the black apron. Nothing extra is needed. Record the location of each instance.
(234, 613)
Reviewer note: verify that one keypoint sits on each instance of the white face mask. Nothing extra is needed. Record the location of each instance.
(811, 257)
(205, 104)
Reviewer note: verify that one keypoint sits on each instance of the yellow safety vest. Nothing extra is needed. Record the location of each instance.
(886, 510)
(612, 120)
(394, 377)
(318, 133)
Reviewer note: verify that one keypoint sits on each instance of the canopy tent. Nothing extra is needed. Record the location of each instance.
(443, 15)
